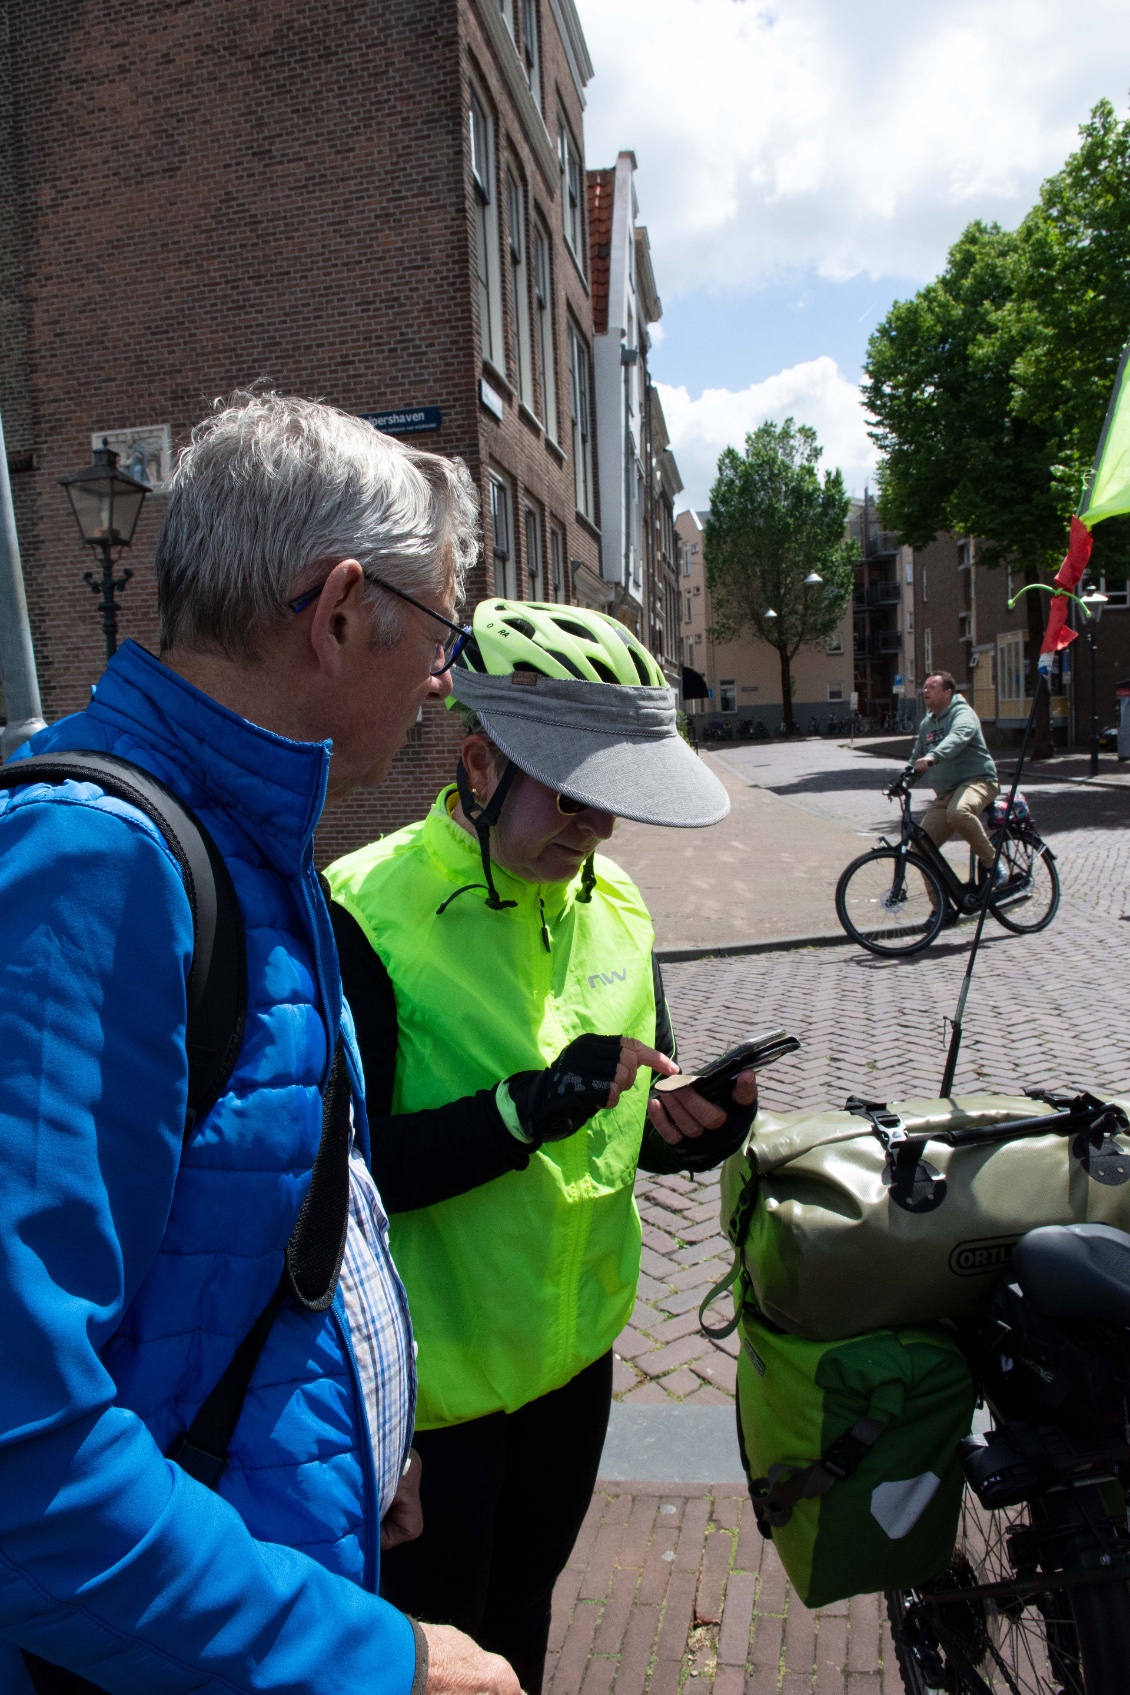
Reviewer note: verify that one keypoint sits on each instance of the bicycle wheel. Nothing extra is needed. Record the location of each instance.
(1032, 898)
(890, 902)
(1073, 1641)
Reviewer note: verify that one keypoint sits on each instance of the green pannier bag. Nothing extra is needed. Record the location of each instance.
(845, 1222)
(850, 1448)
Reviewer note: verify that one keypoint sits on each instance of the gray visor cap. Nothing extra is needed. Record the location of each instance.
(608, 745)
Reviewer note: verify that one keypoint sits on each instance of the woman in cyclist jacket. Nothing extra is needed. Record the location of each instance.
(507, 1004)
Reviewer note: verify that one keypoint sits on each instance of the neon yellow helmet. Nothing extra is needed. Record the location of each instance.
(558, 641)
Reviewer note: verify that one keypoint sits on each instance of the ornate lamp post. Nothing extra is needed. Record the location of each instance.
(1094, 600)
(106, 504)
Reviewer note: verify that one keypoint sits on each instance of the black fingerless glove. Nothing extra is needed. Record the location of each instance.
(554, 1103)
(703, 1153)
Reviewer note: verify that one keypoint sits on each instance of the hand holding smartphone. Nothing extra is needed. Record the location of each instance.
(715, 1082)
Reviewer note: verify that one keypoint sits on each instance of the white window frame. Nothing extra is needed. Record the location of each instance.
(834, 644)
(520, 290)
(580, 418)
(535, 559)
(727, 685)
(928, 651)
(502, 538)
(1117, 595)
(484, 178)
(557, 564)
(1010, 674)
(572, 168)
(835, 691)
(530, 51)
(547, 341)
(506, 8)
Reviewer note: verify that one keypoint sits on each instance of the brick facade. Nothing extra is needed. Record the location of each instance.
(199, 197)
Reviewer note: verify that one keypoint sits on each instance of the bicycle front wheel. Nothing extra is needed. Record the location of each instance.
(890, 902)
(1031, 896)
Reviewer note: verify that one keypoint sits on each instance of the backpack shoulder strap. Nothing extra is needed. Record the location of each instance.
(217, 979)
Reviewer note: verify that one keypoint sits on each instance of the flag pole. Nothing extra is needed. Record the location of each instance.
(1002, 834)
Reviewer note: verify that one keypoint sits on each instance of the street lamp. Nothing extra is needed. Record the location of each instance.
(107, 504)
(813, 580)
(769, 615)
(1094, 600)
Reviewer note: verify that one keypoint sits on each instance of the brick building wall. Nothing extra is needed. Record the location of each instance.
(199, 197)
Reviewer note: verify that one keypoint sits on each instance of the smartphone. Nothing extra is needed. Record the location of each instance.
(715, 1082)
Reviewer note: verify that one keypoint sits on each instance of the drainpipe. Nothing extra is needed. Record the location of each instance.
(17, 656)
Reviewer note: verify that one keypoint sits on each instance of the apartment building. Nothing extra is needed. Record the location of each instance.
(381, 203)
(744, 675)
(883, 620)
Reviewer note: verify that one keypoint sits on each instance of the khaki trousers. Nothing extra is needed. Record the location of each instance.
(958, 813)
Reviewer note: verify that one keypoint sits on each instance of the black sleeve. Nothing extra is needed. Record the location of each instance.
(417, 1158)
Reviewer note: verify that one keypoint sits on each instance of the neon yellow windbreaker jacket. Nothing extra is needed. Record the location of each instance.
(517, 1285)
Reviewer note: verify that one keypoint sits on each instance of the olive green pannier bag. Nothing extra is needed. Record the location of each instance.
(851, 1451)
(845, 1222)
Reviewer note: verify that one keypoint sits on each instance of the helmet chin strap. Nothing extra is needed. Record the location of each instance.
(481, 818)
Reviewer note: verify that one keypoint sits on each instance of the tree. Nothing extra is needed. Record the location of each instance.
(987, 390)
(772, 523)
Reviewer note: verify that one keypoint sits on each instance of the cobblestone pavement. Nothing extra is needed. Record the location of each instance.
(670, 1584)
(673, 1589)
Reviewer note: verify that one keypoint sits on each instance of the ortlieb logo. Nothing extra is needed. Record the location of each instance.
(977, 1259)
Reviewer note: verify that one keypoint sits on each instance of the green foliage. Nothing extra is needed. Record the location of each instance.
(989, 388)
(772, 522)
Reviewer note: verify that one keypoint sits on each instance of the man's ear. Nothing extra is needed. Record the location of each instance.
(340, 617)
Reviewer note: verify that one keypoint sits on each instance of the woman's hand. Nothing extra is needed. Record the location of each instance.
(683, 1114)
(633, 1054)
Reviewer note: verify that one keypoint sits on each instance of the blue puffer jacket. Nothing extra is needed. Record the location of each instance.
(129, 1271)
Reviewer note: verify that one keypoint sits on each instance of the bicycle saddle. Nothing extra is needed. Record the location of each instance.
(1075, 1271)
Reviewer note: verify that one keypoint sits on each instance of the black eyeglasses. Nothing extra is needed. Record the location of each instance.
(452, 645)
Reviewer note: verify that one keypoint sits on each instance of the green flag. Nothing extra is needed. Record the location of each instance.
(1108, 493)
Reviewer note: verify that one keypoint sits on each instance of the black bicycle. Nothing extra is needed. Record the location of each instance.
(1035, 1599)
(897, 898)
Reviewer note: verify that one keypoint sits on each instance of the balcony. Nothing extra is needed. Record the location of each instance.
(885, 641)
(884, 594)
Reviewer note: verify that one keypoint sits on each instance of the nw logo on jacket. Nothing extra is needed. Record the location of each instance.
(607, 977)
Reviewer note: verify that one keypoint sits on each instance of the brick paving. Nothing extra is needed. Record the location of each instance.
(670, 1587)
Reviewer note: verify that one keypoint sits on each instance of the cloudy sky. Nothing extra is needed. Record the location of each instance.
(803, 163)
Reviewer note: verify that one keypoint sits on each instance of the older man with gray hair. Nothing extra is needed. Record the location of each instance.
(205, 1416)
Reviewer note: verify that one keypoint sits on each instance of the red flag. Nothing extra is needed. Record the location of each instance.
(1070, 574)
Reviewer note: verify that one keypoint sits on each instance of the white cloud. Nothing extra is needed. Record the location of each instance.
(845, 138)
(816, 393)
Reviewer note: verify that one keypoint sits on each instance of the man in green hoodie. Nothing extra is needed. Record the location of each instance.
(963, 775)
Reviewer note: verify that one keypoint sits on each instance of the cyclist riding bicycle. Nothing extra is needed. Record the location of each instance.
(951, 748)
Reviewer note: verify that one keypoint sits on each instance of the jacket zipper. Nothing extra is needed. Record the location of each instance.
(574, 1158)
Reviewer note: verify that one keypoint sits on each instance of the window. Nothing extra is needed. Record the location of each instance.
(835, 691)
(530, 48)
(572, 188)
(928, 649)
(506, 7)
(694, 548)
(1117, 594)
(834, 644)
(728, 695)
(910, 570)
(686, 560)
(547, 352)
(502, 544)
(535, 587)
(925, 597)
(910, 620)
(1010, 675)
(520, 294)
(486, 229)
(690, 603)
(698, 588)
(557, 563)
(580, 417)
